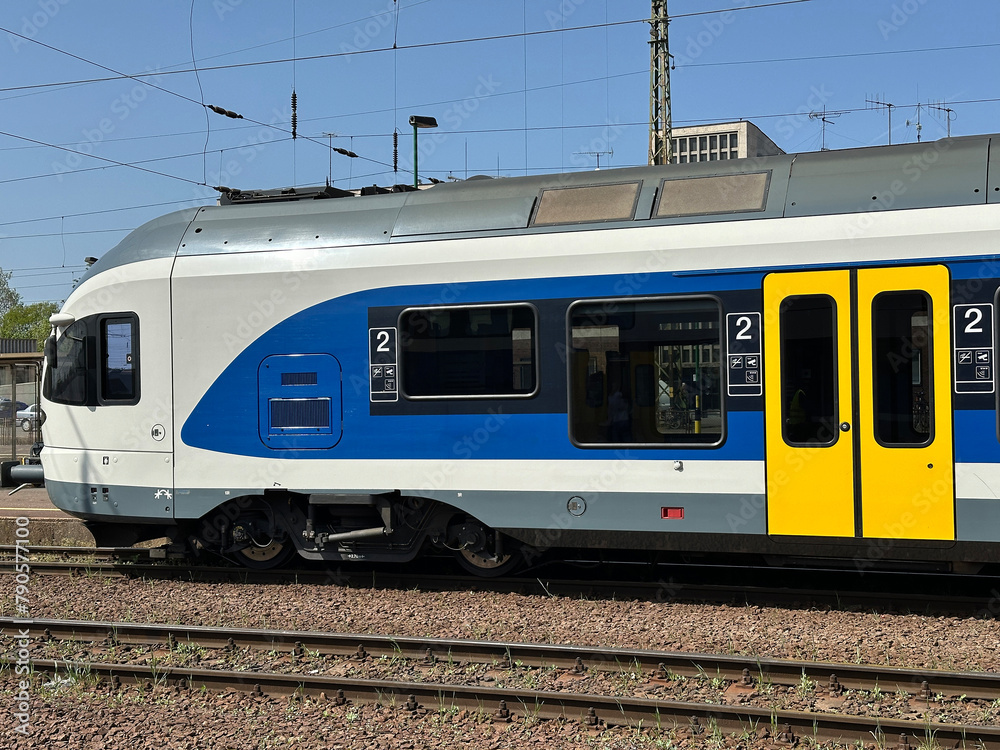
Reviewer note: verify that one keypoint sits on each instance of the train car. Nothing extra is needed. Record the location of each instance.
(790, 357)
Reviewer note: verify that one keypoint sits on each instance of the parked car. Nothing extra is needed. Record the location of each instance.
(29, 417)
(8, 408)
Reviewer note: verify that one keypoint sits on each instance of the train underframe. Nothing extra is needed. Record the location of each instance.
(268, 530)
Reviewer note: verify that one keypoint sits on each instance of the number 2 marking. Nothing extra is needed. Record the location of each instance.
(744, 333)
(383, 338)
(977, 315)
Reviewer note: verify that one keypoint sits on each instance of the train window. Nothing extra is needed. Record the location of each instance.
(902, 338)
(809, 407)
(67, 382)
(575, 205)
(645, 373)
(694, 196)
(485, 351)
(119, 372)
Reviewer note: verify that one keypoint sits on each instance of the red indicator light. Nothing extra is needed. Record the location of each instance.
(671, 513)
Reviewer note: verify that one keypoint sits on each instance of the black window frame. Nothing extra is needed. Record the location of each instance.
(79, 331)
(405, 363)
(610, 303)
(89, 333)
(928, 387)
(103, 352)
(785, 402)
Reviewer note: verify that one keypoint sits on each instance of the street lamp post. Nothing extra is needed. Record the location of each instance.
(419, 122)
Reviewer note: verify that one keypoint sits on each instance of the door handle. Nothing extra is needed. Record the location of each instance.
(845, 427)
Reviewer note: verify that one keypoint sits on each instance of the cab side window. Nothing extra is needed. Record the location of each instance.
(119, 338)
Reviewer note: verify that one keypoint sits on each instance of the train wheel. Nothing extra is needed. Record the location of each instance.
(477, 552)
(265, 558)
(258, 544)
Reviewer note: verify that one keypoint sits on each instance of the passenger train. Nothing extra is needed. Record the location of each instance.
(791, 357)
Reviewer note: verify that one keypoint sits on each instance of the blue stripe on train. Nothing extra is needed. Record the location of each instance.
(976, 437)
(226, 419)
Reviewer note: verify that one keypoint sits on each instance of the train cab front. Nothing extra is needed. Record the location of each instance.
(108, 450)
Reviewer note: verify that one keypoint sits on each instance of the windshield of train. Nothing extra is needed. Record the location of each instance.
(66, 382)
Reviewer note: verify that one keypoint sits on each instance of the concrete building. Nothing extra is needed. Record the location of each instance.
(730, 140)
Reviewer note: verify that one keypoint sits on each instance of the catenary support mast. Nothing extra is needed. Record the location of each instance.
(659, 86)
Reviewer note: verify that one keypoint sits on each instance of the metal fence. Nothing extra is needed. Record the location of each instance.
(20, 387)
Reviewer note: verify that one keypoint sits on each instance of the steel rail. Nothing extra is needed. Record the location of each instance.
(594, 710)
(822, 593)
(6, 549)
(657, 665)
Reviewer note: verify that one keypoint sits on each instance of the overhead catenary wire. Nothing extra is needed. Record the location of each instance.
(703, 121)
(82, 170)
(97, 212)
(152, 85)
(697, 64)
(201, 96)
(643, 72)
(57, 234)
(373, 50)
(138, 77)
(102, 158)
(265, 44)
(723, 63)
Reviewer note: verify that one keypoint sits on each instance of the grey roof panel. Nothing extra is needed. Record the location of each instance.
(154, 239)
(949, 172)
(338, 222)
(993, 186)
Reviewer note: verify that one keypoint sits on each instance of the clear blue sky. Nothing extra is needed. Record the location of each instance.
(526, 103)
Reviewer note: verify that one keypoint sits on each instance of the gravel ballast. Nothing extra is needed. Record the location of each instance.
(62, 715)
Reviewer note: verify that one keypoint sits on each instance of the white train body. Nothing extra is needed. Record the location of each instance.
(220, 375)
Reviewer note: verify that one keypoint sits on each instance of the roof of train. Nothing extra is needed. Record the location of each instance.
(948, 172)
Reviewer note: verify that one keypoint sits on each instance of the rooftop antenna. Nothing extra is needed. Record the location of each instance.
(949, 114)
(878, 102)
(826, 118)
(598, 155)
(329, 177)
(295, 98)
(917, 123)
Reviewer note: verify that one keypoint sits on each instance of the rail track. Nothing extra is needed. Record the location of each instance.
(729, 584)
(505, 703)
(732, 669)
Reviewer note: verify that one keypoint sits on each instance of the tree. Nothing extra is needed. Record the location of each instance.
(28, 321)
(9, 297)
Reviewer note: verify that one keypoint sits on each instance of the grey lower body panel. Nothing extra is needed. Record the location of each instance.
(113, 503)
(710, 523)
(977, 520)
(610, 512)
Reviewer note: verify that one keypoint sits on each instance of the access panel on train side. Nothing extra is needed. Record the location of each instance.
(858, 404)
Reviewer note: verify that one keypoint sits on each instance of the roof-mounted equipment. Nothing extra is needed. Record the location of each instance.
(231, 196)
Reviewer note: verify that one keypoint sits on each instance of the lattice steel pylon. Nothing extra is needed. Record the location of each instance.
(659, 85)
